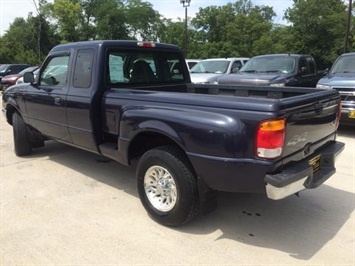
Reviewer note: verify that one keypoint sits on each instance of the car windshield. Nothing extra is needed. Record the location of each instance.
(3, 68)
(269, 65)
(211, 66)
(345, 64)
(29, 69)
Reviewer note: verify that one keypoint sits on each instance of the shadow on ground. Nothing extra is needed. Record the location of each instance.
(299, 226)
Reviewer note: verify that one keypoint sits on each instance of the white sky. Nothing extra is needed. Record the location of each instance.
(10, 9)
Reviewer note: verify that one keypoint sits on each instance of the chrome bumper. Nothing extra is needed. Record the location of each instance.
(302, 175)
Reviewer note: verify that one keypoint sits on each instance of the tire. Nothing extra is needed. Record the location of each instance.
(167, 187)
(21, 134)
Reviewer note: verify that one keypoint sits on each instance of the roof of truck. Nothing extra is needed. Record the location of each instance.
(121, 43)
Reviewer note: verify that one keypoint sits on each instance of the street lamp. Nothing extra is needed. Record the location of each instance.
(39, 28)
(186, 4)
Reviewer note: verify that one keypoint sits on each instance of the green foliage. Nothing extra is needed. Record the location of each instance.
(143, 21)
(316, 27)
(110, 20)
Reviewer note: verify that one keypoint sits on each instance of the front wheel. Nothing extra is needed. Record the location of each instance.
(167, 187)
(21, 134)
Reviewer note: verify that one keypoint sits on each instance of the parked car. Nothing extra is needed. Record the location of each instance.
(341, 77)
(10, 80)
(9, 69)
(209, 70)
(278, 70)
(192, 62)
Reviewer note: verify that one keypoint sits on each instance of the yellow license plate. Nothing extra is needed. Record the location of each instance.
(351, 114)
(315, 163)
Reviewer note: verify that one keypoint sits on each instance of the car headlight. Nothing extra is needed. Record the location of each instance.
(277, 85)
(323, 87)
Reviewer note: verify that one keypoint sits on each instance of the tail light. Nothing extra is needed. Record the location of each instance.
(270, 138)
(146, 44)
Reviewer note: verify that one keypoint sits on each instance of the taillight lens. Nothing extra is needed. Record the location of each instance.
(146, 44)
(270, 138)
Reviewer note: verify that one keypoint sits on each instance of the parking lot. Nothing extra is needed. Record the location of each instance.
(66, 206)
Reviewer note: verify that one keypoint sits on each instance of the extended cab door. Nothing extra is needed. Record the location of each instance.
(46, 100)
(83, 107)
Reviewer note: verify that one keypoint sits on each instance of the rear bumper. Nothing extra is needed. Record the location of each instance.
(301, 175)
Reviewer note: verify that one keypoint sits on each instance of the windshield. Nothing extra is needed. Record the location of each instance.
(3, 68)
(211, 66)
(345, 64)
(269, 65)
(29, 69)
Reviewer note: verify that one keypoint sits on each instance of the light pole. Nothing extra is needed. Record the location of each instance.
(186, 4)
(348, 27)
(39, 29)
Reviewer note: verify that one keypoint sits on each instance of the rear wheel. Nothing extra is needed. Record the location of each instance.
(21, 134)
(167, 187)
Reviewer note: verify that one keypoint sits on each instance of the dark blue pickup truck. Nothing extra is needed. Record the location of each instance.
(121, 100)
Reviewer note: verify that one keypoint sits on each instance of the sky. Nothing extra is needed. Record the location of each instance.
(10, 9)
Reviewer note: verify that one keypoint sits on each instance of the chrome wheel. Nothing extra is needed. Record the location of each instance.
(160, 188)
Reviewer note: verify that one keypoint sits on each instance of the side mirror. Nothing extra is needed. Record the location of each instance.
(28, 77)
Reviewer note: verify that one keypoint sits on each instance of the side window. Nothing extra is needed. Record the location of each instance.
(83, 68)
(55, 72)
(236, 65)
(303, 66)
(311, 65)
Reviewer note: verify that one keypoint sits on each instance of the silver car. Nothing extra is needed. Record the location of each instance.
(209, 70)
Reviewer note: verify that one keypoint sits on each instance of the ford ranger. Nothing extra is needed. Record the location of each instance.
(120, 100)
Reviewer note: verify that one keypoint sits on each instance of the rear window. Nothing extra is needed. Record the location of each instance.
(83, 68)
(143, 68)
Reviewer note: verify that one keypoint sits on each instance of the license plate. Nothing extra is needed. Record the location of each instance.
(351, 114)
(315, 163)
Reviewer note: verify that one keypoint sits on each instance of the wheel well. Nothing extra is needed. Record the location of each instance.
(146, 141)
(9, 112)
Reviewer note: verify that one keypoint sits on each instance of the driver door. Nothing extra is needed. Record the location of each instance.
(46, 99)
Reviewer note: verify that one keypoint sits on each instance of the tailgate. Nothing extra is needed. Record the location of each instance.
(310, 126)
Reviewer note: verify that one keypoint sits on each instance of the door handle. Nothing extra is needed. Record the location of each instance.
(57, 101)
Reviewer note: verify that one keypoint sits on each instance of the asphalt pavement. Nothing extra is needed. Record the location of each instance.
(64, 206)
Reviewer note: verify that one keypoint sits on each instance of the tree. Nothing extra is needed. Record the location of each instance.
(240, 29)
(142, 20)
(318, 28)
(67, 15)
(110, 20)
